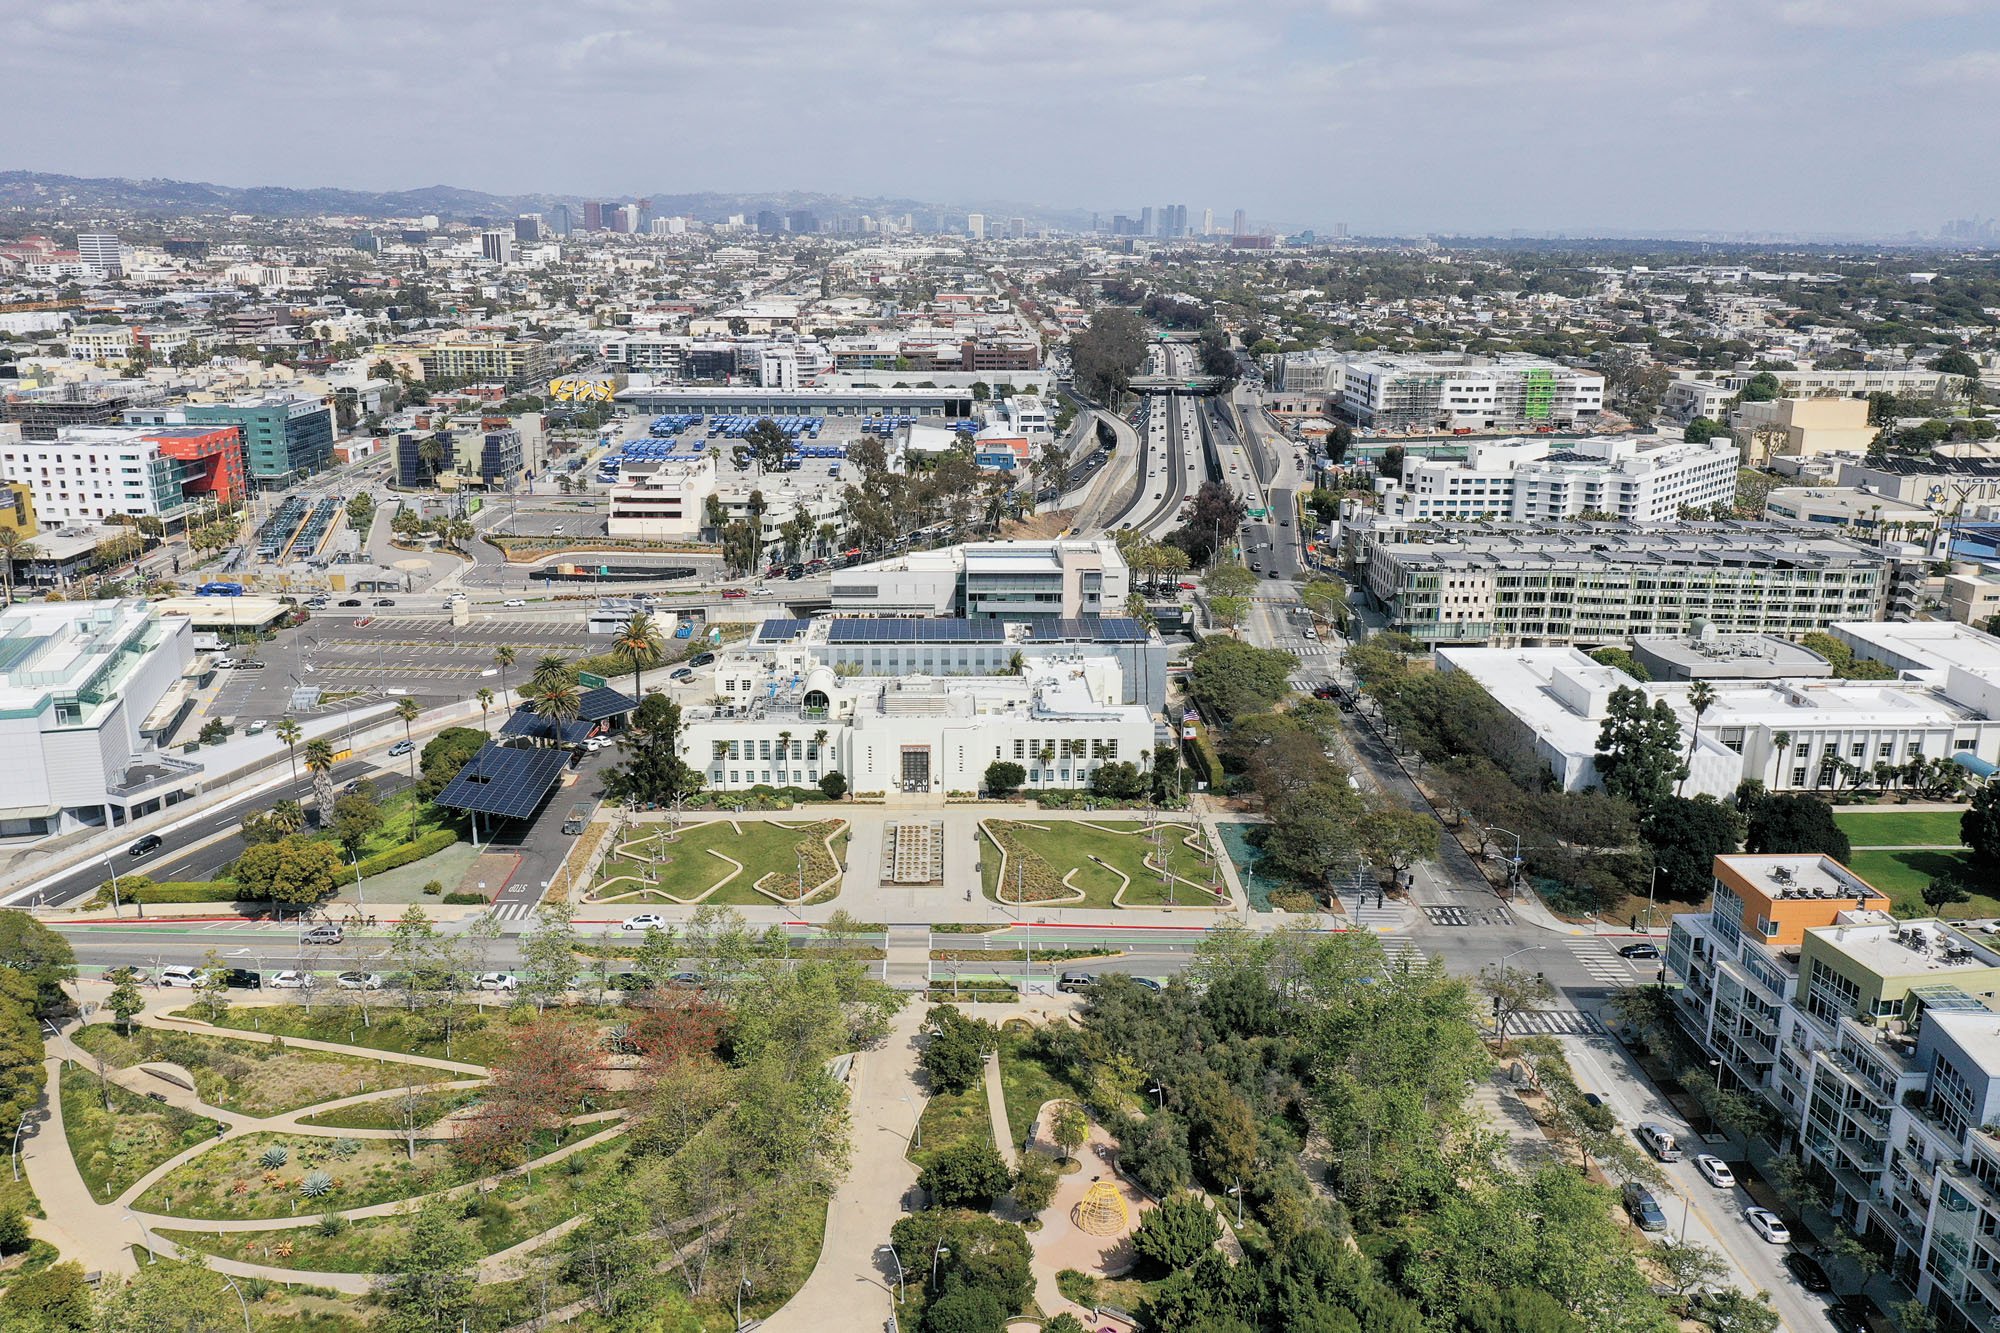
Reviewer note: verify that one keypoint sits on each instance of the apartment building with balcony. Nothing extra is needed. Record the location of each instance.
(1877, 1044)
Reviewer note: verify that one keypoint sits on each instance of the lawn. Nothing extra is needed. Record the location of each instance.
(1039, 856)
(1899, 828)
(506, 1215)
(479, 1037)
(692, 865)
(1025, 1082)
(113, 1148)
(1903, 874)
(247, 1077)
(387, 1112)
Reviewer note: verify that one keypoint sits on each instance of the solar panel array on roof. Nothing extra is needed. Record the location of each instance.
(527, 723)
(1087, 629)
(912, 629)
(780, 630)
(505, 782)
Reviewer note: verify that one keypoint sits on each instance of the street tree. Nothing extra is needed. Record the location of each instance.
(1512, 993)
(548, 955)
(125, 1001)
(428, 1281)
(954, 1054)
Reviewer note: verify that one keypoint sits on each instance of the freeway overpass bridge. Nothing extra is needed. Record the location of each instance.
(1197, 384)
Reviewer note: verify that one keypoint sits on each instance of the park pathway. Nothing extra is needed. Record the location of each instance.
(852, 1287)
(94, 1234)
(996, 1110)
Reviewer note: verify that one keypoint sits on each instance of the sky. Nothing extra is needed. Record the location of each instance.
(1820, 117)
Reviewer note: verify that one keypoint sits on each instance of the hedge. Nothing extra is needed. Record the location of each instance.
(183, 891)
(430, 844)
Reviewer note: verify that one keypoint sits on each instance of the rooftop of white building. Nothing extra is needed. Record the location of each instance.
(1930, 647)
(63, 647)
(1892, 948)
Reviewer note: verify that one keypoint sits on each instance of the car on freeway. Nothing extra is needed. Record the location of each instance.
(180, 976)
(644, 921)
(515, 601)
(360, 981)
(1808, 1271)
(350, 601)
(146, 846)
(1643, 950)
(291, 981)
(1768, 1225)
(1715, 1170)
(495, 981)
(401, 748)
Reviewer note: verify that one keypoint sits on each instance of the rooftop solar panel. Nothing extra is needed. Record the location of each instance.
(526, 723)
(780, 630)
(603, 702)
(505, 782)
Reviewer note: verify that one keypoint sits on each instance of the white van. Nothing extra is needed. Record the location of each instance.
(185, 977)
(1659, 1141)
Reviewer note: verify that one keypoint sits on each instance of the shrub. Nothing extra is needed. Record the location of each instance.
(1176, 1233)
(332, 1224)
(433, 888)
(465, 899)
(345, 1148)
(429, 844)
(965, 1175)
(273, 1158)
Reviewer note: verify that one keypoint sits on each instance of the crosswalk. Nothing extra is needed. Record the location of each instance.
(1362, 911)
(514, 911)
(1403, 951)
(1554, 1023)
(1598, 959)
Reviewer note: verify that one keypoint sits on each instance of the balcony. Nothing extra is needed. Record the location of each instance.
(152, 771)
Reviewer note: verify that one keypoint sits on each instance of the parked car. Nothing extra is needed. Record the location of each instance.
(291, 981)
(686, 979)
(146, 846)
(1768, 1225)
(1850, 1314)
(1642, 950)
(401, 748)
(1076, 983)
(251, 666)
(256, 728)
(360, 981)
(1715, 1170)
(682, 674)
(644, 921)
(702, 660)
(325, 933)
(1643, 1207)
(1808, 1271)
(179, 975)
(1147, 983)
(496, 981)
(242, 978)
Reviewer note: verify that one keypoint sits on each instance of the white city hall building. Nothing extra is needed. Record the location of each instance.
(1059, 718)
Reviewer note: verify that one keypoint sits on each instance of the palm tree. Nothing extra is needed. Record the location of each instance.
(485, 697)
(558, 702)
(408, 710)
(784, 745)
(288, 731)
(319, 763)
(504, 658)
(14, 546)
(639, 643)
(551, 668)
(1700, 695)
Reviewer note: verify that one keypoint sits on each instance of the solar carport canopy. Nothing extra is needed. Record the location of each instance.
(505, 782)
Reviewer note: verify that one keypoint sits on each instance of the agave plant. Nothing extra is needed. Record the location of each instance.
(273, 1158)
(346, 1148)
(316, 1184)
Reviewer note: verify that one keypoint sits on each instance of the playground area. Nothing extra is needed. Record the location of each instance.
(727, 862)
(1112, 864)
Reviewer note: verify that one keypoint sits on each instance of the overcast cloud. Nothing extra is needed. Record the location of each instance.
(1819, 116)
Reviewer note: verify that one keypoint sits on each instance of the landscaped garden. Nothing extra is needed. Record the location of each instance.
(1110, 864)
(397, 1110)
(751, 863)
(474, 1035)
(248, 1077)
(1908, 850)
(116, 1136)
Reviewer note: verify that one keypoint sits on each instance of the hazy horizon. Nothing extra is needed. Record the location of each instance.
(1393, 116)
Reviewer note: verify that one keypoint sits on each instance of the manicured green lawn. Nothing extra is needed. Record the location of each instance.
(691, 866)
(1903, 874)
(1899, 828)
(1094, 851)
(478, 1037)
(247, 1077)
(114, 1147)
(1026, 1083)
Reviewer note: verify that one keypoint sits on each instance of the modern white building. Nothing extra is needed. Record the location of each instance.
(1059, 718)
(663, 501)
(81, 684)
(1455, 391)
(89, 473)
(1013, 580)
(1637, 480)
(1791, 735)
(102, 252)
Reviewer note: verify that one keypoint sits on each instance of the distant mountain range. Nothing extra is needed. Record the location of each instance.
(39, 191)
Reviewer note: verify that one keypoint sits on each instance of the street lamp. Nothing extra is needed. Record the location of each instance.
(241, 1300)
(1237, 1190)
(14, 1154)
(1162, 1092)
(917, 1128)
(899, 1268)
(144, 1235)
(741, 1287)
(942, 1249)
